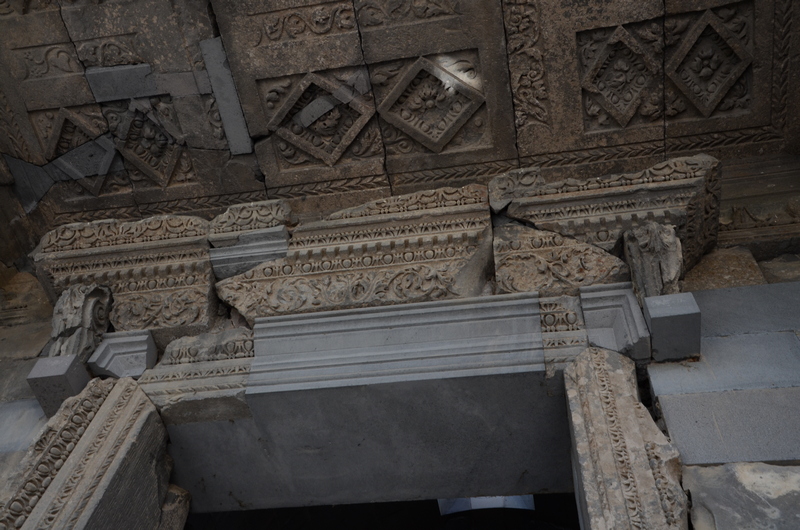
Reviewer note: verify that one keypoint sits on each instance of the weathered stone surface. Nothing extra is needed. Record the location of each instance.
(614, 320)
(655, 256)
(124, 354)
(175, 510)
(202, 378)
(681, 191)
(422, 246)
(100, 463)
(54, 379)
(527, 260)
(784, 268)
(158, 271)
(743, 495)
(121, 82)
(627, 474)
(674, 323)
(80, 318)
(245, 219)
(25, 317)
(724, 268)
(434, 340)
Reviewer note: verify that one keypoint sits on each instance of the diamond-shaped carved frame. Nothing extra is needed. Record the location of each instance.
(622, 114)
(307, 139)
(686, 46)
(397, 110)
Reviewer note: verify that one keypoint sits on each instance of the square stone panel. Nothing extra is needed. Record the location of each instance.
(430, 104)
(322, 117)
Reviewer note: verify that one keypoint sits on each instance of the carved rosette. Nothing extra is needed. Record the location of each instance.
(535, 260)
(680, 191)
(627, 473)
(412, 248)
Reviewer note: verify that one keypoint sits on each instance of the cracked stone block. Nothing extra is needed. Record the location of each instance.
(113, 83)
(674, 323)
(54, 379)
(124, 354)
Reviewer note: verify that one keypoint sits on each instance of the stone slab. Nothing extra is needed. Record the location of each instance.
(722, 268)
(756, 425)
(124, 354)
(614, 320)
(758, 360)
(54, 379)
(458, 437)
(744, 495)
(784, 268)
(252, 249)
(674, 323)
(21, 421)
(433, 340)
(113, 83)
(751, 309)
(230, 109)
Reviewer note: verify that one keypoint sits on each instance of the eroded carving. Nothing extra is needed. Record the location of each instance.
(80, 318)
(230, 344)
(655, 255)
(534, 260)
(307, 22)
(628, 474)
(423, 246)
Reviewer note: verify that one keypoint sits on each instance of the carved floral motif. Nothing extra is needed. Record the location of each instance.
(306, 22)
(251, 216)
(383, 12)
(423, 200)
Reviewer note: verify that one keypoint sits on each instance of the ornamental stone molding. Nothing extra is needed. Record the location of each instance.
(682, 191)
(627, 474)
(527, 260)
(422, 246)
(656, 258)
(80, 318)
(104, 445)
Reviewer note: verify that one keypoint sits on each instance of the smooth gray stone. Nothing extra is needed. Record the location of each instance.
(445, 438)
(230, 110)
(124, 354)
(751, 309)
(54, 379)
(249, 249)
(744, 495)
(614, 320)
(113, 83)
(202, 81)
(757, 360)
(430, 340)
(176, 84)
(21, 421)
(90, 159)
(674, 323)
(757, 425)
(31, 182)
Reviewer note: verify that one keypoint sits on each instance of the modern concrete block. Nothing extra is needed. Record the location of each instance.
(253, 248)
(54, 379)
(736, 362)
(124, 354)
(757, 425)
(453, 338)
(755, 308)
(230, 109)
(90, 159)
(674, 323)
(121, 82)
(614, 320)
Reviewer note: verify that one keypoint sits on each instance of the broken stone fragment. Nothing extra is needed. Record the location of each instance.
(627, 474)
(428, 245)
(80, 318)
(655, 256)
(527, 260)
(684, 192)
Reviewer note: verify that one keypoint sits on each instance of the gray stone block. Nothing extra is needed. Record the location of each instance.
(54, 379)
(230, 109)
(124, 354)
(744, 495)
(31, 182)
(737, 362)
(121, 82)
(253, 248)
(758, 425)
(750, 309)
(614, 320)
(90, 159)
(21, 421)
(433, 340)
(674, 323)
